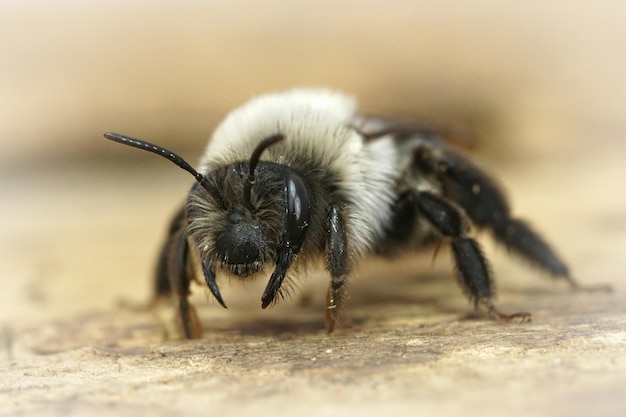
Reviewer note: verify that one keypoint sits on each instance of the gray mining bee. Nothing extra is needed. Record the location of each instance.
(297, 178)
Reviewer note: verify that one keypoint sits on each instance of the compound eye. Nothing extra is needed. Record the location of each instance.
(298, 211)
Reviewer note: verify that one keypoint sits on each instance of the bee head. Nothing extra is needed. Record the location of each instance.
(248, 214)
(244, 215)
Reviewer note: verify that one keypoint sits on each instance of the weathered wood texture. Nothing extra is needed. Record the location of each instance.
(406, 344)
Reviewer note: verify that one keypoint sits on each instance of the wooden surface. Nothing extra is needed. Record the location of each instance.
(407, 344)
(81, 219)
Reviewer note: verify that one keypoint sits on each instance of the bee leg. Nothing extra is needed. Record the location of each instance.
(485, 204)
(162, 287)
(339, 265)
(181, 273)
(164, 277)
(471, 264)
(174, 274)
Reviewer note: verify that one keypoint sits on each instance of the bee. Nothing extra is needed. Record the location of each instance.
(296, 179)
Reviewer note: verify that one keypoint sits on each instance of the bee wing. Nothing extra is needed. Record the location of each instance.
(372, 127)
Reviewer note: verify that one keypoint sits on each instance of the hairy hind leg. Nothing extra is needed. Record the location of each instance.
(485, 204)
(473, 271)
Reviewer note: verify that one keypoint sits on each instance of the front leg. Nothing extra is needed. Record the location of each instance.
(181, 273)
(174, 274)
(339, 264)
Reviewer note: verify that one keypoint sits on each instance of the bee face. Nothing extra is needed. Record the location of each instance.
(240, 234)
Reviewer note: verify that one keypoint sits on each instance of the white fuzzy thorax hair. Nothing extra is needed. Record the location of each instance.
(316, 126)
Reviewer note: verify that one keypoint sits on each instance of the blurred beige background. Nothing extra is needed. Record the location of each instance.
(538, 86)
(170, 71)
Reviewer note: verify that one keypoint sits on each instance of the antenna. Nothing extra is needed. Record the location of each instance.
(147, 146)
(254, 160)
